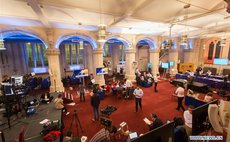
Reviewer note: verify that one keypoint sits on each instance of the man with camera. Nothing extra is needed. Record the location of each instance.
(104, 135)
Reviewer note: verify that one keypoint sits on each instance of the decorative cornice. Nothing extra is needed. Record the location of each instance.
(98, 51)
(130, 50)
(52, 51)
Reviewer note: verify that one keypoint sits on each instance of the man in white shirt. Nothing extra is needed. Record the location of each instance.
(138, 93)
(180, 95)
(188, 120)
(129, 86)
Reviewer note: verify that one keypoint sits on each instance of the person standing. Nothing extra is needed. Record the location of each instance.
(138, 93)
(82, 92)
(180, 94)
(129, 86)
(95, 102)
(188, 120)
(156, 79)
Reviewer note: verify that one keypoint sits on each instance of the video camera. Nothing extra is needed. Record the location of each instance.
(106, 122)
(108, 110)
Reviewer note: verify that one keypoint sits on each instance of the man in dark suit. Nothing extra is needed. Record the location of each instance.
(95, 102)
(157, 122)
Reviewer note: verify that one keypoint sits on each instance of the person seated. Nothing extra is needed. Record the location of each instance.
(142, 78)
(46, 98)
(108, 89)
(208, 97)
(190, 79)
(149, 75)
(59, 104)
(180, 134)
(209, 73)
(187, 72)
(190, 93)
(157, 122)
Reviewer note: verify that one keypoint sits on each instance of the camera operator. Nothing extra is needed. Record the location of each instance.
(104, 134)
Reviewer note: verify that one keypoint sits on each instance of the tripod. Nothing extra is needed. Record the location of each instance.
(75, 122)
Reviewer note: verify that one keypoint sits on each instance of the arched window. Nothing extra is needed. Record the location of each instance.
(35, 55)
(218, 49)
(107, 50)
(122, 52)
(73, 53)
(210, 50)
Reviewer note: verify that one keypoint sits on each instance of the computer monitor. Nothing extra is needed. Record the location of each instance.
(165, 65)
(220, 61)
(133, 135)
(17, 80)
(81, 73)
(100, 71)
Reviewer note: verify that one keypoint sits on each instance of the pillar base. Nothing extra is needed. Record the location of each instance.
(131, 77)
(100, 80)
(58, 89)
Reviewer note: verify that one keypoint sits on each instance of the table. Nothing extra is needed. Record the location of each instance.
(212, 81)
(32, 126)
(193, 101)
(198, 87)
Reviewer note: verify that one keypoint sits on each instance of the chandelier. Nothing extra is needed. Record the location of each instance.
(228, 5)
(184, 37)
(2, 43)
(101, 33)
(102, 26)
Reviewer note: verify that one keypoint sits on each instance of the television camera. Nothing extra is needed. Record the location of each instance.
(106, 112)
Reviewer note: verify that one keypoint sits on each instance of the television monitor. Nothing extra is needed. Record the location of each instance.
(171, 63)
(165, 65)
(200, 117)
(17, 80)
(220, 61)
(164, 133)
(81, 73)
(100, 71)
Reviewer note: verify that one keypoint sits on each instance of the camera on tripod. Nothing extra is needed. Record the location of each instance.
(106, 122)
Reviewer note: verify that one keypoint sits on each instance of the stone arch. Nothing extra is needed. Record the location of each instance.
(13, 31)
(82, 36)
(126, 42)
(152, 43)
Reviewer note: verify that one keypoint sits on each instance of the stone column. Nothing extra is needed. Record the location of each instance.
(54, 65)
(173, 56)
(154, 59)
(129, 65)
(98, 62)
